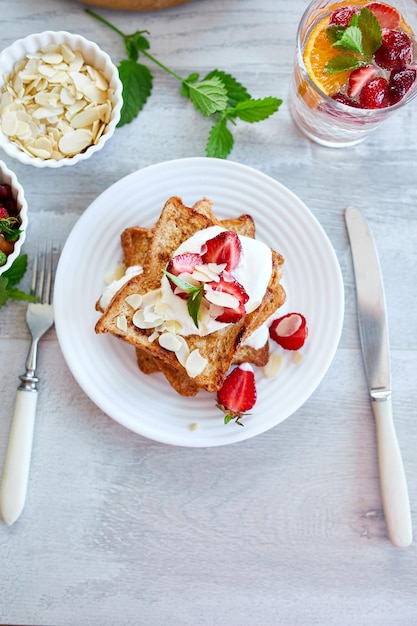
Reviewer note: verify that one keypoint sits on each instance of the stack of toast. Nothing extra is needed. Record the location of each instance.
(152, 248)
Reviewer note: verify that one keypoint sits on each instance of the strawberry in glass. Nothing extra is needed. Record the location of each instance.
(356, 63)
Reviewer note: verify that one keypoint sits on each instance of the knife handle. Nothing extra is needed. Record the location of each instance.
(16, 467)
(394, 490)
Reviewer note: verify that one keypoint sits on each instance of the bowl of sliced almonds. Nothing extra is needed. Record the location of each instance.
(60, 99)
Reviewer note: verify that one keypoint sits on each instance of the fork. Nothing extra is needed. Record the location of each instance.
(39, 318)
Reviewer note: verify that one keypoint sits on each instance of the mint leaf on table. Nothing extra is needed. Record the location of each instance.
(256, 110)
(10, 278)
(359, 40)
(137, 86)
(17, 270)
(218, 95)
(220, 140)
(235, 91)
(208, 96)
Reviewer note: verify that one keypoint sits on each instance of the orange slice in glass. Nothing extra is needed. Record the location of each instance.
(317, 52)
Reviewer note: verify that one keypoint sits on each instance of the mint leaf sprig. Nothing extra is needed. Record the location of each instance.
(194, 295)
(218, 95)
(10, 278)
(359, 41)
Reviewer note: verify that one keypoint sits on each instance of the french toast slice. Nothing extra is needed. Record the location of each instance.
(176, 224)
(135, 242)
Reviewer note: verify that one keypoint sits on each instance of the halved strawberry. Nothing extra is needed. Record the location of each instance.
(374, 94)
(289, 331)
(359, 78)
(230, 287)
(387, 16)
(223, 248)
(238, 393)
(342, 16)
(183, 264)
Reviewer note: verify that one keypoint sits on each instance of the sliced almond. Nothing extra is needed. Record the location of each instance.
(170, 342)
(121, 323)
(134, 300)
(195, 364)
(75, 141)
(274, 365)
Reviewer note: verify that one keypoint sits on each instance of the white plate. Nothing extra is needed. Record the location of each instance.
(105, 367)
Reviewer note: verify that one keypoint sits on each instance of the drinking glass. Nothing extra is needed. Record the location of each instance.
(320, 117)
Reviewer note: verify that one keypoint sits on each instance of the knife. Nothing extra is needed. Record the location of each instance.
(373, 331)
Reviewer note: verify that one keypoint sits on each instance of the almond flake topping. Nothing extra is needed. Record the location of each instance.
(195, 364)
(51, 90)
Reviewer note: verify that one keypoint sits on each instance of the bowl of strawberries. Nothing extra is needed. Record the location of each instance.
(13, 217)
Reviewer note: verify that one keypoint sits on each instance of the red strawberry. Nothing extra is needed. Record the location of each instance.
(387, 16)
(223, 248)
(340, 97)
(342, 16)
(400, 82)
(375, 94)
(3, 213)
(232, 288)
(238, 393)
(5, 191)
(359, 78)
(289, 331)
(183, 263)
(395, 52)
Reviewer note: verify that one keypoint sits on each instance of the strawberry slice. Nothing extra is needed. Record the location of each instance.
(183, 264)
(223, 248)
(387, 16)
(374, 94)
(342, 16)
(230, 287)
(237, 394)
(4, 214)
(359, 78)
(289, 331)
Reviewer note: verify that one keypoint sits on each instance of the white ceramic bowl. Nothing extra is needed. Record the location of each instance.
(9, 178)
(93, 56)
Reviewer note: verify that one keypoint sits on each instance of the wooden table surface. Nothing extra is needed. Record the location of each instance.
(285, 528)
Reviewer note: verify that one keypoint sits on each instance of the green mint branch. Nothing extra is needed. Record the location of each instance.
(218, 96)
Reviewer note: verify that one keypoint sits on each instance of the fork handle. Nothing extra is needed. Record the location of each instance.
(16, 467)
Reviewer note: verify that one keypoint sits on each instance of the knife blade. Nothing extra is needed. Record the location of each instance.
(374, 338)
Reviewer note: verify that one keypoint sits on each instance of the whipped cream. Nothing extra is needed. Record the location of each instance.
(253, 273)
(114, 286)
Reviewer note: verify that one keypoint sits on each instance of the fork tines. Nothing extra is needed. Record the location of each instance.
(42, 279)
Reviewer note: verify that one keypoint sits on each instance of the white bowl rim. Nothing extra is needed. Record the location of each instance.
(79, 42)
(9, 177)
